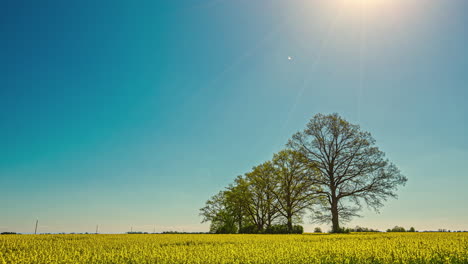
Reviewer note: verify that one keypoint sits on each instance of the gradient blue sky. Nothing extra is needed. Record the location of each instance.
(133, 113)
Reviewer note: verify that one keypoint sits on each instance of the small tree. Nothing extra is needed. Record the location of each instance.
(224, 224)
(317, 230)
(219, 214)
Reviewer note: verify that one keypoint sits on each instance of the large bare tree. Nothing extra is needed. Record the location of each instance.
(353, 170)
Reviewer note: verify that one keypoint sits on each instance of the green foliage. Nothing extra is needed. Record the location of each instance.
(295, 187)
(273, 229)
(223, 224)
(342, 230)
(9, 233)
(397, 229)
(317, 230)
(363, 229)
(262, 207)
(250, 229)
(277, 191)
(283, 229)
(411, 229)
(226, 229)
(220, 213)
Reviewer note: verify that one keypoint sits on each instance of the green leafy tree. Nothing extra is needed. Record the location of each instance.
(294, 185)
(353, 170)
(238, 197)
(261, 206)
(219, 214)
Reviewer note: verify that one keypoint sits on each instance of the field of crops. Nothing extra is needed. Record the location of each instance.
(313, 248)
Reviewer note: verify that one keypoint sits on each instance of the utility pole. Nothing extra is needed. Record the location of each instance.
(35, 229)
(97, 226)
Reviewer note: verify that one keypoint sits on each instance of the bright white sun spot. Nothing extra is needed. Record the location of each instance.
(366, 5)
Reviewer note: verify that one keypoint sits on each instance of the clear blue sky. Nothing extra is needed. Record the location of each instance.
(133, 113)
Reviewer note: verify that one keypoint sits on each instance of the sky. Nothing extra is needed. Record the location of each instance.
(131, 114)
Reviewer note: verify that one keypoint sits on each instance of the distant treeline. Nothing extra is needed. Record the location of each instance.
(401, 229)
(275, 229)
(166, 232)
(177, 232)
(359, 229)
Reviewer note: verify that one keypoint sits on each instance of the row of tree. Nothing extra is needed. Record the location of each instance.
(401, 229)
(358, 229)
(330, 169)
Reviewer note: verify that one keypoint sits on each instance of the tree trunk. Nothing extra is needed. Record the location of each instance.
(260, 225)
(335, 220)
(290, 227)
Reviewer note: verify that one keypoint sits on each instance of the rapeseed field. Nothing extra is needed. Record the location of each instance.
(200, 248)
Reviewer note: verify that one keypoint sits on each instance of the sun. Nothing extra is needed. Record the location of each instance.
(366, 5)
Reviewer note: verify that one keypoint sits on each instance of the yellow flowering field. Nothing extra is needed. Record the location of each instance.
(188, 248)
